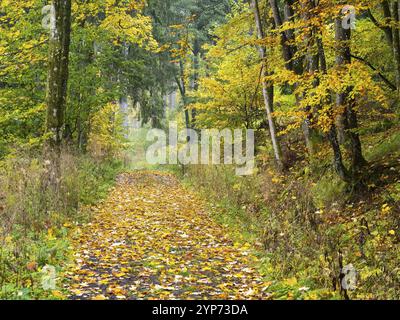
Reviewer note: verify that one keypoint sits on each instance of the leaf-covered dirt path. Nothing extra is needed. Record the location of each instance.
(152, 239)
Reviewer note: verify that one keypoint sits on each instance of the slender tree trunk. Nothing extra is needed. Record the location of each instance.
(58, 71)
(357, 158)
(387, 16)
(385, 27)
(348, 120)
(332, 134)
(312, 66)
(286, 50)
(267, 89)
(337, 155)
(79, 133)
(321, 55)
(289, 16)
(396, 42)
(182, 90)
(196, 70)
(123, 100)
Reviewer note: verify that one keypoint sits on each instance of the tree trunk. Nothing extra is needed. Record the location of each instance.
(196, 70)
(292, 62)
(58, 71)
(337, 155)
(385, 26)
(387, 16)
(182, 89)
(332, 134)
(286, 50)
(348, 120)
(396, 43)
(312, 66)
(267, 89)
(123, 100)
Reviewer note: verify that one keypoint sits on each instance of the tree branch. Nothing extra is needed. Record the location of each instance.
(386, 29)
(386, 80)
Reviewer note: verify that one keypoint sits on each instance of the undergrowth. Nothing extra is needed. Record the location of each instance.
(37, 217)
(308, 226)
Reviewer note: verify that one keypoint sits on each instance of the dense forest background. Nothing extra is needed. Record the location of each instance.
(78, 78)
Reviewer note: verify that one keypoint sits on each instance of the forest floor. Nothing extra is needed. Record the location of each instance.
(154, 239)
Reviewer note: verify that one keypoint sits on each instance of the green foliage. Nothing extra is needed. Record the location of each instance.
(23, 258)
(106, 139)
(384, 145)
(96, 179)
(110, 47)
(328, 190)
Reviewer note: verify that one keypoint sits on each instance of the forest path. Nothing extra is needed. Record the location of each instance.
(153, 239)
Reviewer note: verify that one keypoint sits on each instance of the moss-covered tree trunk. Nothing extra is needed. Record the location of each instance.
(396, 42)
(57, 80)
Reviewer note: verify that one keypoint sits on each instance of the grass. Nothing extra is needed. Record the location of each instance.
(385, 143)
(37, 218)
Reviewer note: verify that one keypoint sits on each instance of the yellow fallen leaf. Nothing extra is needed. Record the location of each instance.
(58, 294)
(291, 281)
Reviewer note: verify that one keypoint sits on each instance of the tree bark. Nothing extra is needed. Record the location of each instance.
(396, 42)
(58, 71)
(337, 155)
(182, 90)
(332, 134)
(348, 120)
(390, 27)
(286, 49)
(196, 70)
(312, 66)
